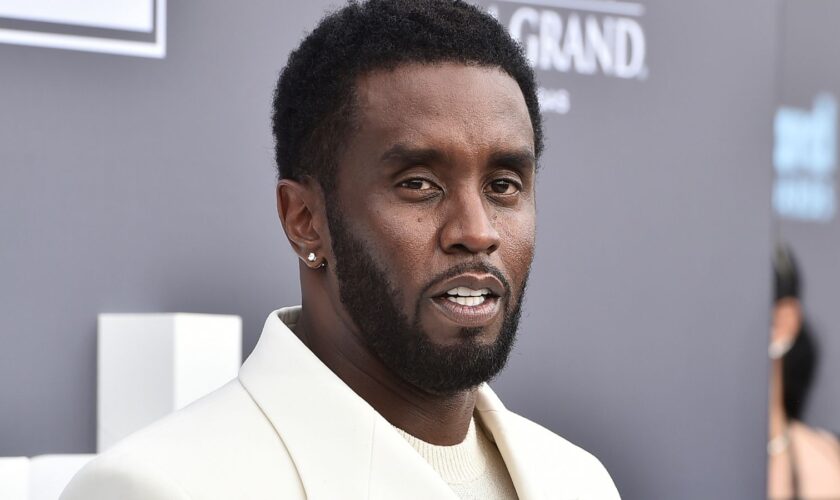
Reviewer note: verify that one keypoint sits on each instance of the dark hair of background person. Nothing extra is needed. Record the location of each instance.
(799, 363)
(313, 106)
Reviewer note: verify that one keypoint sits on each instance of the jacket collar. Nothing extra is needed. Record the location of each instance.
(521, 462)
(341, 446)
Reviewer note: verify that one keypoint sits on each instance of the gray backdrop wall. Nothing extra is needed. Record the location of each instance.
(132, 185)
(807, 73)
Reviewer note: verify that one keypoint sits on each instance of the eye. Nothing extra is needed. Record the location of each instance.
(504, 187)
(417, 184)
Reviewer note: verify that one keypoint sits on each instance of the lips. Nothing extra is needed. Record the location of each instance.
(471, 281)
(469, 300)
(468, 316)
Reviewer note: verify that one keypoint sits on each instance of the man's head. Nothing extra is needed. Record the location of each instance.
(407, 137)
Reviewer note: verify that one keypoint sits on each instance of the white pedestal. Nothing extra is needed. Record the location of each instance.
(150, 365)
(50, 474)
(14, 478)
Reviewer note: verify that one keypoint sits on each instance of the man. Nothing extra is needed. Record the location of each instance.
(407, 137)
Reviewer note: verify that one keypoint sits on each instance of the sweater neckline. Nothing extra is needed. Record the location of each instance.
(458, 463)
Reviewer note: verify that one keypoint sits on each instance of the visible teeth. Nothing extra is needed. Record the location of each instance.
(467, 301)
(463, 291)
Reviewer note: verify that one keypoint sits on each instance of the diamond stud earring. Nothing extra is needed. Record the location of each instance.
(311, 257)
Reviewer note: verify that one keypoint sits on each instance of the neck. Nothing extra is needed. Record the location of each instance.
(777, 416)
(434, 418)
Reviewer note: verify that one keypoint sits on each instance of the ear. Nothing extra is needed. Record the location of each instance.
(300, 207)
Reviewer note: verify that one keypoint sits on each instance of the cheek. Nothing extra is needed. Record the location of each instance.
(403, 239)
(518, 236)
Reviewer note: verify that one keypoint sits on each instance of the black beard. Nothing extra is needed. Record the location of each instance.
(402, 345)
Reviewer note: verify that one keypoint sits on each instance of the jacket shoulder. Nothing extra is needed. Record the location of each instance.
(122, 477)
(221, 446)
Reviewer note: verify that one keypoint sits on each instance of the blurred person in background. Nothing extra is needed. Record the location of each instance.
(803, 462)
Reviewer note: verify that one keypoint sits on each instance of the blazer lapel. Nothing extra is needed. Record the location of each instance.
(341, 446)
(521, 463)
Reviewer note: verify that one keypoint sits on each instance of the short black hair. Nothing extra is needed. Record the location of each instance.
(785, 273)
(314, 98)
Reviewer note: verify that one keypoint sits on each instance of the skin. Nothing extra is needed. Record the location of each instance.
(787, 318)
(439, 171)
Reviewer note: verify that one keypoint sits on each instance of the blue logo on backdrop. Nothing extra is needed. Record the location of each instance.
(805, 159)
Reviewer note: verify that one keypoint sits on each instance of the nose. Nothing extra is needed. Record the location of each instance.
(468, 227)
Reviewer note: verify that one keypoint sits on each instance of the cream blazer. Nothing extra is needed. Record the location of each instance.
(288, 428)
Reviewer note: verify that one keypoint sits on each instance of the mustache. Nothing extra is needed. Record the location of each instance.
(466, 267)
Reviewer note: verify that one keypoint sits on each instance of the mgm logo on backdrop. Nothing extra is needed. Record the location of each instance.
(585, 37)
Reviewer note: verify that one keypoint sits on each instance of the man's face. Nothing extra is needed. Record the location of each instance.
(432, 224)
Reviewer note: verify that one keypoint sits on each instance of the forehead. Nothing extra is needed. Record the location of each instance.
(448, 104)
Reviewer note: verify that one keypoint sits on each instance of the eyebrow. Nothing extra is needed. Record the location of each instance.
(404, 154)
(518, 159)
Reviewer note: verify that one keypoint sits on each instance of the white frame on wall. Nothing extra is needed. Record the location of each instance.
(153, 49)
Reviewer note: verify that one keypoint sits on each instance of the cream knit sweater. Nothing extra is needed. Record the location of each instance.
(474, 468)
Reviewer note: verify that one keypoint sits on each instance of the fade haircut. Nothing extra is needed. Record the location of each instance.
(313, 110)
